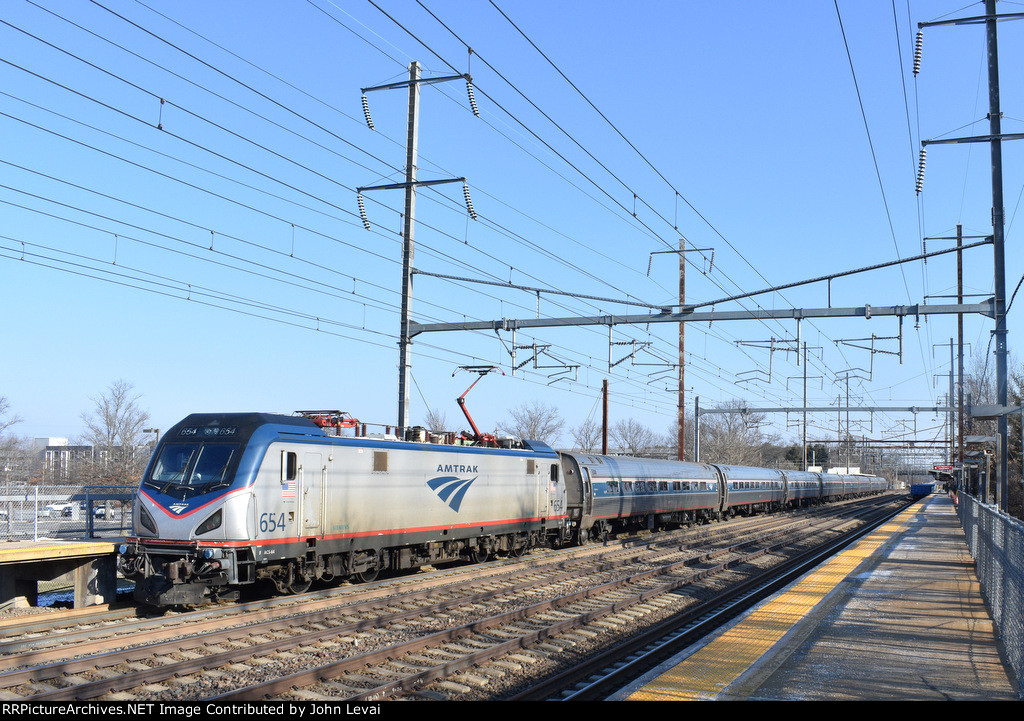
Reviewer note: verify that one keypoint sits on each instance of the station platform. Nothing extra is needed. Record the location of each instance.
(898, 616)
(90, 567)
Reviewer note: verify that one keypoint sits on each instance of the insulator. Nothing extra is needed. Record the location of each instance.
(362, 211)
(920, 170)
(469, 203)
(366, 112)
(472, 98)
(917, 52)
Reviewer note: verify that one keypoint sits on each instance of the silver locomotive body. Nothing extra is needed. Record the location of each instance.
(291, 505)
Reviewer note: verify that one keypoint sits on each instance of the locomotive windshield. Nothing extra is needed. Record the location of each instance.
(193, 469)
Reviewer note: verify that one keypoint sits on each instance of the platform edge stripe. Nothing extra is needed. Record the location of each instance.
(708, 671)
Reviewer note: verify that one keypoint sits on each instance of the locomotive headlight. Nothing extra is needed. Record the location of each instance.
(210, 523)
(146, 520)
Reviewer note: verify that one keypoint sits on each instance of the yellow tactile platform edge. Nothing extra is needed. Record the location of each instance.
(709, 670)
(21, 553)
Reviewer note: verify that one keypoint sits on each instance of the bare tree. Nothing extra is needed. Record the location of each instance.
(634, 438)
(536, 421)
(734, 438)
(114, 430)
(18, 461)
(587, 436)
(436, 420)
(5, 421)
(980, 388)
(672, 437)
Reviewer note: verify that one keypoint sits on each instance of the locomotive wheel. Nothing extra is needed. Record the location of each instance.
(518, 546)
(294, 583)
(479, 555)
(367, 576)
(583, 537)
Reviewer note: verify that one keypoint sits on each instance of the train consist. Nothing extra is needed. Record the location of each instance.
(232, 499)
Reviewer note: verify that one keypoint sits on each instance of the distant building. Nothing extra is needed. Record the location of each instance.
(59, 459)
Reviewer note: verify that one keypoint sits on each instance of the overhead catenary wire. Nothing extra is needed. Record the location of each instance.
(351, 215)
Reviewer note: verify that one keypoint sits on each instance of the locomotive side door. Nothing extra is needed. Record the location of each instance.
(312, 492)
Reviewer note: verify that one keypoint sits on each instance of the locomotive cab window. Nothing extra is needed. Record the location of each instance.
(554, 473)
(193, 468)
(289, 466)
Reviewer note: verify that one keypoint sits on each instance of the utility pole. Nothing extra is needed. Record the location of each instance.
(960, 343)
(681, 407)
(409, 217)
(604, 418)
(805, 408)
(995, 138)
(408, 247)
(998, 244)
(681, 434)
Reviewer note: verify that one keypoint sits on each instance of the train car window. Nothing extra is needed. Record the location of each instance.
(612, 486)
(627, 486)
(380, 461)
(289, 466)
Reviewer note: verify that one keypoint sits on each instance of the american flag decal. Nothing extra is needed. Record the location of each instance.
(288, 490)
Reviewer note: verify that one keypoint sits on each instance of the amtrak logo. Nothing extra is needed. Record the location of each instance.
(178, 507)
(451, 489)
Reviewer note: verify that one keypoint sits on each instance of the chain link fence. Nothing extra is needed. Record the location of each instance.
(996, 541)
(65, 512)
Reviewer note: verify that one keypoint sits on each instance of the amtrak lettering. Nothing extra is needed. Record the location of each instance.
(455, 468)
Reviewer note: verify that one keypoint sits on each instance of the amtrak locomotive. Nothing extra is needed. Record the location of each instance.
(231, 499)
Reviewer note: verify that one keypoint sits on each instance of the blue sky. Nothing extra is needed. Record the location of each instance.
(218, 261)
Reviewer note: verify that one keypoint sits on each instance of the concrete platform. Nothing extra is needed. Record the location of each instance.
(89, 566)
(897, 616)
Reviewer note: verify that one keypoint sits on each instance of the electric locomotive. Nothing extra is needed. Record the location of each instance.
(231, 499)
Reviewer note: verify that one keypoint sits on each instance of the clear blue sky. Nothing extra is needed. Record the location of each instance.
(218, 262)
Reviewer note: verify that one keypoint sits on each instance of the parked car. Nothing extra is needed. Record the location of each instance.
(57, 509)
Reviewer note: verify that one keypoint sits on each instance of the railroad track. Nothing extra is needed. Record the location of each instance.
(468, 632)
(602, 675)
